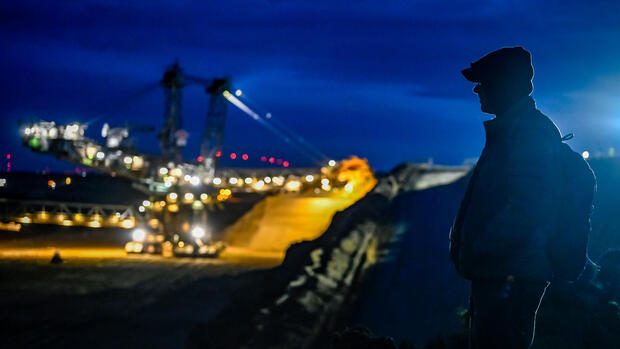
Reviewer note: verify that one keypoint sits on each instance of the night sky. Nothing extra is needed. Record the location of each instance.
(379, 79)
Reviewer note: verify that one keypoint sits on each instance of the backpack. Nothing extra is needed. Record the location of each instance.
(567, 247)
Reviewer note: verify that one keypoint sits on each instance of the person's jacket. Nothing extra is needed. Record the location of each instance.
(506, 217)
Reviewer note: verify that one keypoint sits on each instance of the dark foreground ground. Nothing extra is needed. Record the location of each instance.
(112, 302)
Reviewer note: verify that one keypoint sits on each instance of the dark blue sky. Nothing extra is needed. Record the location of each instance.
(379, 79)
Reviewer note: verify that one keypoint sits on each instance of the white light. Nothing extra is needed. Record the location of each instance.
(198, 232)
(238, 93)
(187, 177)
(173, 196)
(248, 180)
(349, 187)
(332, 163)
(189, 196)
(163, 171)
(325, 181)
(267, 180)
(585, 154)
(194, 180)
(204, 196)
(168, 184)
(141, 209)
(217, 181)
(2, 182)
(146, 203)
(127, 160)
(268, 115)
(233, 180)
(259, 185)
(100, 155)
(309, 178)
(138, 235)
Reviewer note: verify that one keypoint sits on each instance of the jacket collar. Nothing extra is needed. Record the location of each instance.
(501, 125)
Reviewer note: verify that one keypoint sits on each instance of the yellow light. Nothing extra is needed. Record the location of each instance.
(181, 244)
(204, 196)
(25, 219)
(91, 151)
(349, 187)
(217, 181)
(78, 217)
(331, 163)
(94, 224)
(128, 223)
(68, 180)
(60, 217)
(326, 187)
(67, 222)
(138, 162)
(127, 160)
(293, 185)
(51, 184)
(585, 154)
(173, 208)
(42, 215)
(154, 223)
(248, 180)
(225, 192)
(162, 203)
(176, 172)
(309, 178)
(189, 196)
(197, 205)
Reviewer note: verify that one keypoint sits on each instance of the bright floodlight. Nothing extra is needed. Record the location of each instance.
(332, 163)
(232, 180)
(127, 160)
(138, 235)
(585, 154)
(100, 155)
(217, 181)
(189, 196)
(198, 232)
(309, 178)
(194, 180)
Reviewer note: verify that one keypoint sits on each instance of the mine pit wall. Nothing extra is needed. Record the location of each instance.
(299, 303)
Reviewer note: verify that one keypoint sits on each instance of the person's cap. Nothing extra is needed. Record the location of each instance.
(513, 63)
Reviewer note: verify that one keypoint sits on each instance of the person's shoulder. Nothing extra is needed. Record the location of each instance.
(538, 127)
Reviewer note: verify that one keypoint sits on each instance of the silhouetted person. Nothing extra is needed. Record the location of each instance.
(498, 240)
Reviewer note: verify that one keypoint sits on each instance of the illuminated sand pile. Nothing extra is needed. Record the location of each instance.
(281, 220)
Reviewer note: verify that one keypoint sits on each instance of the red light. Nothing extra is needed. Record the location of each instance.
(200, 158)
(218, 154)
(244, 156)
(285, 164)
(233, 156)
(279, 162)
(263, 158)
(8, 164)
(272, 160)
(8, 156)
